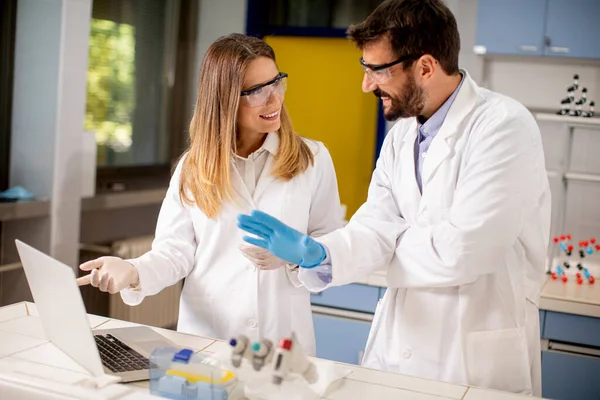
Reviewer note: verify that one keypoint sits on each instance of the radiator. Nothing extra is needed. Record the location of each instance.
(160, 310)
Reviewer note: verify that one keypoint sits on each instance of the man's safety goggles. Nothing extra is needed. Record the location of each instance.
(381, 73)
(259, 95)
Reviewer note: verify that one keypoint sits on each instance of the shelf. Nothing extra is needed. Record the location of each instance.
(24, 209)
(576, 176)
(10, 267)
(572, 121)
(111, 201)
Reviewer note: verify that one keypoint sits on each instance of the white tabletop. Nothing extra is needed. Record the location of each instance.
(23, 346)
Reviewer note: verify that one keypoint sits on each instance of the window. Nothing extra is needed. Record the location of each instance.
(320, 13)
(132, 52)
(141, 62)
(306, 17)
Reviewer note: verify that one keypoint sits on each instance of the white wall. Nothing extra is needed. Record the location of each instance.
(541, 84)
(537, 82)
(217, 18)
(51, 53)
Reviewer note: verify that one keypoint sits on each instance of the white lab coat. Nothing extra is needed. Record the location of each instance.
(465, 260)
(224, 294)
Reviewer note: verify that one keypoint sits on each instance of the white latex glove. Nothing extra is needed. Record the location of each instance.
(262, 258)
(109, 274)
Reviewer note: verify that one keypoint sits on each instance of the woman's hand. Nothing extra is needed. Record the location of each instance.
(109, 274)
(262, 258)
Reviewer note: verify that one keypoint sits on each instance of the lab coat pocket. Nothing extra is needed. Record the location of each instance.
(499, 360)
(197, 316)
(296, 210)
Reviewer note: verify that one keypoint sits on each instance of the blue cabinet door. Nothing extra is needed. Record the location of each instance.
(570, 376)
(355, 297)
(573, 329)
(511, 26)
(340, 339)
(573, 28)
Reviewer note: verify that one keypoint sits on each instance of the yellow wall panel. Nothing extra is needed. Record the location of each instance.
(325, 101)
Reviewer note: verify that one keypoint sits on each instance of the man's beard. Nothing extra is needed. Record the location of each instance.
(410, 103)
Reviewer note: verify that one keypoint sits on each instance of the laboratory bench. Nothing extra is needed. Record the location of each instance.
(24, 349)
(569, 322)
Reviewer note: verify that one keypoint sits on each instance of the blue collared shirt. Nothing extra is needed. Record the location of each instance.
(428, 130)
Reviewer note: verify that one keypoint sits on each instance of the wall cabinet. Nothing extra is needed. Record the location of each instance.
(556, 28)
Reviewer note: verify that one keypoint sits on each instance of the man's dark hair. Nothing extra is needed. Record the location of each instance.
(414, 27)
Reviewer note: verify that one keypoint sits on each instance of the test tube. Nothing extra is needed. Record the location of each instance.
(262, 353)
(239, 348)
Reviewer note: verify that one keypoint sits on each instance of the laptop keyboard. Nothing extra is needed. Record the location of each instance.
(117, 356)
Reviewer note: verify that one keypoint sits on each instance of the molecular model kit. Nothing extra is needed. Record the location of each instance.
(573, 263)
(573, 104)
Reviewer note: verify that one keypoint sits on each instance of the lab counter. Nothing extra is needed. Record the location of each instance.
(556, 295)
(569, 326)
(23, 347)
(571, 298)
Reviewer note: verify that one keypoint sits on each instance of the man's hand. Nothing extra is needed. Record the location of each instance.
(281, 240)
(109, 274)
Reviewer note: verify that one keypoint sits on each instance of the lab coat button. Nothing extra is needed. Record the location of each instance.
(406, 354)
(252, 323)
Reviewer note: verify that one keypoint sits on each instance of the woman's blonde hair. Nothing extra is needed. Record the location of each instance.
(206, 171)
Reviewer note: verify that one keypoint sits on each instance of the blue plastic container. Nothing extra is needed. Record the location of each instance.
(181, 374)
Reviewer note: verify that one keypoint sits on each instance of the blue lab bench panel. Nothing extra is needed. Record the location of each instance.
(354, 297)
(570, 328)
(340, 339)
(382, 292)
(568, 376)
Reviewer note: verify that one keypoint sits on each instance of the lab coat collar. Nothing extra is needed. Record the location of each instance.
(443, 142)
(433, 125)
(271, 144)
(411, 198)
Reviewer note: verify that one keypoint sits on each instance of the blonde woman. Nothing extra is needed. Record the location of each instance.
(243, 155)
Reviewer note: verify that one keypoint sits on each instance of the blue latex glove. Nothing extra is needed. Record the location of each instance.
(16, 193)
(281, 240)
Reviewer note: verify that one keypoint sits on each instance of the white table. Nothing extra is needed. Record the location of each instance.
(23, 345)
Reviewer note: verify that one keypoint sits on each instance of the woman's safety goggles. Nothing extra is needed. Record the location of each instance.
(382, 73)
(259, 95)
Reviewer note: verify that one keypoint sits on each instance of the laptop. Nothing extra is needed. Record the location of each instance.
(122, 352)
